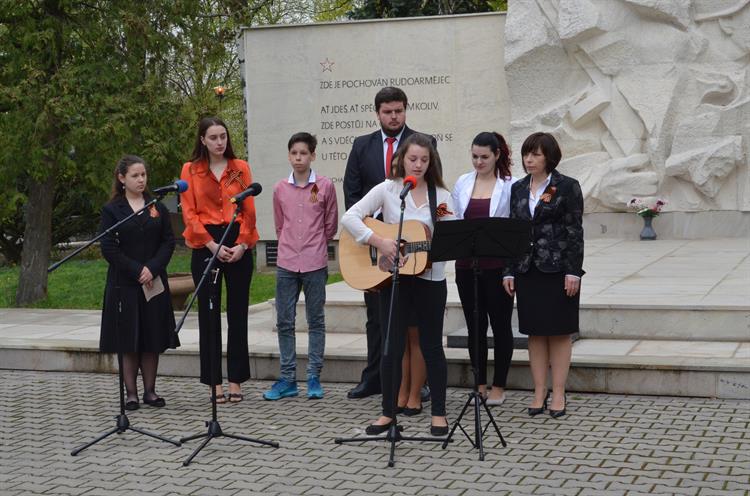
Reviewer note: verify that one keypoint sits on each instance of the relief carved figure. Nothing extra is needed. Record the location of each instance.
(647, 97)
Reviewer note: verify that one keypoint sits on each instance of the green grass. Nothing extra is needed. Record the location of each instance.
(79, 283)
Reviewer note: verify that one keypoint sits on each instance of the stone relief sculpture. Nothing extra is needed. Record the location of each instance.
(647, 97)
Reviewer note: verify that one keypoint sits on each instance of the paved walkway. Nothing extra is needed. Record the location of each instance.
(608, 444)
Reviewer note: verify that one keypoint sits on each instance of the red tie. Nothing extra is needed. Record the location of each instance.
(389, 155)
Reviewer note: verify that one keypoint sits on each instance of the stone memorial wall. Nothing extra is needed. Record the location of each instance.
(323, 79)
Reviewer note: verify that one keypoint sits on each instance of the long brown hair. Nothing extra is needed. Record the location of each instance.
(496, 142)
(121, 169)
(200, 152)
(433, 176)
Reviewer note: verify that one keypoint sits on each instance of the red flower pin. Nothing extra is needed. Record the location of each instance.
(548, 194)
(442, 210)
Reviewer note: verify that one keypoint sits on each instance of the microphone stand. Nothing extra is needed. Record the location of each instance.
(393, 434)
(214, 305)
(122, 422)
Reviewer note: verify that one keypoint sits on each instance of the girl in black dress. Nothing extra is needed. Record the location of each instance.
(547, 280)
(138, 253)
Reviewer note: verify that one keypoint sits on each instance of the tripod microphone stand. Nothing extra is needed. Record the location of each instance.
(490, 237)
(122, 422)
(213, 427)
(393, 435)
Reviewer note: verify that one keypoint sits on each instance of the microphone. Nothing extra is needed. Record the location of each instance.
(409, 184)
(179, 186)
(253, 190)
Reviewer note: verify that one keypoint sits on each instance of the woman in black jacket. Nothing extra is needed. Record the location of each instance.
(138, 253)
(548, 279)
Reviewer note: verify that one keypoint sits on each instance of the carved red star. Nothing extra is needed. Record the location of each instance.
(327, 65)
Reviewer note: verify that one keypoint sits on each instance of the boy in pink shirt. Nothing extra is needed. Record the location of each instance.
(305, 213)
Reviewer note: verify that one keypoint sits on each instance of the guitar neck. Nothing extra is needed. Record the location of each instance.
(416, 246)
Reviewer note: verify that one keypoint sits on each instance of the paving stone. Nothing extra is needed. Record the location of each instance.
(609, 444)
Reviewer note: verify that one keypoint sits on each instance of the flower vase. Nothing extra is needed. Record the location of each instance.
(648, 233)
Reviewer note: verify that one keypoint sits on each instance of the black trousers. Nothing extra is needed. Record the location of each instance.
(493, 300)
(371, 373)
(425, 300)
(238, 276)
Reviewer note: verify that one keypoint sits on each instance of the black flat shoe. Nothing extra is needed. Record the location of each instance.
(157, 402)
(533, 412)
(131, 405)
(559, 413)
(375, 429)
(410, 412)
(399, 410)
(439, 430)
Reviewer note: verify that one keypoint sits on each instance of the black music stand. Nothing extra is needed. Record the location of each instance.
(491, 237)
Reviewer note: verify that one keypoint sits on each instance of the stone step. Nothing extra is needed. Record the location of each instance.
(678, 368)
(345, 313)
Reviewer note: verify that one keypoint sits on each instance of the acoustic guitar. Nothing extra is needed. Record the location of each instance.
(363, 268)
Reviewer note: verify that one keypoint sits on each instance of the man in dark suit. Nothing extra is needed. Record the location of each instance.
(365, 168)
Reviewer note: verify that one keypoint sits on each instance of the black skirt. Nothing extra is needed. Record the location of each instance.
(143, 326)
(543, 307)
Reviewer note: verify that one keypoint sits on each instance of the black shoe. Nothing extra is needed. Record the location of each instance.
(410, 412)
(362, 390)
(559, 413)
(157, 402)
(424, 393)
(131, 405)
(375, 429)
(533, 412)
(399, 410)
(439, 430)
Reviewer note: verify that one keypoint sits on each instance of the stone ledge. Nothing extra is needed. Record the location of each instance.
(606, 373)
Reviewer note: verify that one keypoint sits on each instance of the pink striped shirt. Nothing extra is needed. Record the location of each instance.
(306, 219)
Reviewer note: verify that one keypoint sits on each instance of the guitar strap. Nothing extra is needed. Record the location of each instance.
(432, 195)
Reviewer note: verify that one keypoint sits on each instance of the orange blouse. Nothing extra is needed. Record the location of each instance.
(207, 202)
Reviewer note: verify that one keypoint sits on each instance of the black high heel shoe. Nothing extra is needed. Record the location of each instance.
(533, 412)
(559, 413)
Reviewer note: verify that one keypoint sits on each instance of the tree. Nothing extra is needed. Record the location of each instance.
(80, 83)
(381, 9)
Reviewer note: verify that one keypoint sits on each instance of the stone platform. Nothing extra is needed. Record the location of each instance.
(662, 317)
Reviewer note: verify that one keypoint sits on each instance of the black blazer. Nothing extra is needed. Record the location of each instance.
(144, 240)
(365, 167)
(556, 227)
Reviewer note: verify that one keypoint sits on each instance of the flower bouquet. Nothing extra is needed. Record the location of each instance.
(645, 209)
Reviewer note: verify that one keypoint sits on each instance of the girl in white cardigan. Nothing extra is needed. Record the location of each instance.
(485, 192)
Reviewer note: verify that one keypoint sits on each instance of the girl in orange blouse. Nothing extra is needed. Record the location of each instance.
(214, 175)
